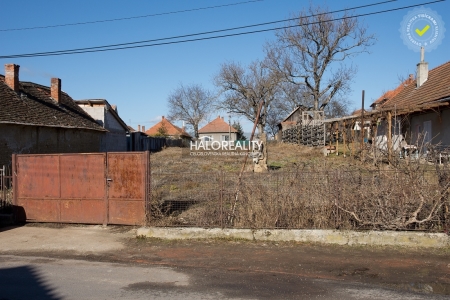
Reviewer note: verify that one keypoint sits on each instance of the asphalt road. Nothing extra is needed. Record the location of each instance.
(97, 263)
(47, 278)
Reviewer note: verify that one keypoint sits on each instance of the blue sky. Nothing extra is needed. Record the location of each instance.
(139, 80)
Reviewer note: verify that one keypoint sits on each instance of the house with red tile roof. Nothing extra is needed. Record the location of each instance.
(41, 119)
(218, 130)
(391, 93)
(165, 128)
(422, 108)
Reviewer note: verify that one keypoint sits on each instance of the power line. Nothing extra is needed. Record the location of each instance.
(129, 18)
(204, 33)
(76, 51)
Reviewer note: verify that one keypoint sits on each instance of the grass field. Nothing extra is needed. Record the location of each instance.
(303, 189)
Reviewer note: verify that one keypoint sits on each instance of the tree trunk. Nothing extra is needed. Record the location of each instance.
(260, 129)
(196, 130)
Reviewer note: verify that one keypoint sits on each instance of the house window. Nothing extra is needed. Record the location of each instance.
(206, 138)
(225, 138)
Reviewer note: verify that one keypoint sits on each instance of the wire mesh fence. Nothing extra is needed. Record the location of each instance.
(5, 190)
(302, 200)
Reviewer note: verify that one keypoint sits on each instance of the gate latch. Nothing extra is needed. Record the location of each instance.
(109, 179)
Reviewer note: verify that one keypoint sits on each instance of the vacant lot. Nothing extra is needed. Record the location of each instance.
(281, 157)
(303, 189)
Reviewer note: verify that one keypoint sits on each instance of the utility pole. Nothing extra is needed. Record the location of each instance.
(229, 126)
(362, 121)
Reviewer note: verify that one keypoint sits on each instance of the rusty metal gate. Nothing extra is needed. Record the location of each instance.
(88, 188)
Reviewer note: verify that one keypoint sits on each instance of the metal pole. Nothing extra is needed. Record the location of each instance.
(344, 137)
(229, 126)
(389, 136)
(337, 138)
(238, 185)
(362, 121)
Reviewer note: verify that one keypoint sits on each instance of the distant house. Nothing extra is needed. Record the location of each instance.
(300, 116)
(41, 119)
(165, 128)
(292, 119)
(391, 93)
(218, 130)
(107, 116)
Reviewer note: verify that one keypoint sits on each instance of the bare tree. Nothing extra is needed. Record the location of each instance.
(337, 108)
(274, 117)
(312, 49)
(192, 104)
(243, 90)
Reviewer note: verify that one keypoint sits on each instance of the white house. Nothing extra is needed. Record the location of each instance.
(218, 130)
(106, 115)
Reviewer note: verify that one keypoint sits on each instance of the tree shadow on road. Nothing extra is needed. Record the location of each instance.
(25, 282)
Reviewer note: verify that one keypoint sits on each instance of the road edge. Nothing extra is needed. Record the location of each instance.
(367, 238)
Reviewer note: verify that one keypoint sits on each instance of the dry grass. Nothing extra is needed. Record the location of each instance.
(304, 189)
(281, 157)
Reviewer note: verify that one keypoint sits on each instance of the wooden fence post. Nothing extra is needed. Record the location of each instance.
(389, 136)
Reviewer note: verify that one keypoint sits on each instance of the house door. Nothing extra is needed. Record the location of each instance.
(426, 132)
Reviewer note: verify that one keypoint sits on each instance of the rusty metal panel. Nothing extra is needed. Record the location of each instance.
(73, 188)
(39, 210)
(82, 211)
(38, 176)
(126, 212)
(127, 187)
(82, 176)
(126, 172)
(66, 188)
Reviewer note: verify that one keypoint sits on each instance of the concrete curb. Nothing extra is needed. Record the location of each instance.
(369, 238)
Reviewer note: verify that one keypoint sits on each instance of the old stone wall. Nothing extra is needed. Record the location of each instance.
(23, 139)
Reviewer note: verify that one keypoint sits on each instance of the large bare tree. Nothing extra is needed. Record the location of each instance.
(243, 89)
(192, 104)
(312, 49)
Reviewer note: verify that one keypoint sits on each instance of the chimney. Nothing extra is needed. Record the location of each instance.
(55, 89)
(163, 117)
(12, 76)
(422, 69)
(139, 127)
(143, 128)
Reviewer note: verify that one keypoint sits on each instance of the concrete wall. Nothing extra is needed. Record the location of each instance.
(114, 142)
(22, 139)
(343, 237)
(116, 139)
(97, 112)
(440, 126)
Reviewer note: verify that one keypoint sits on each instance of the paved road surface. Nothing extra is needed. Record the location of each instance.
(96, 263)
(44, 278)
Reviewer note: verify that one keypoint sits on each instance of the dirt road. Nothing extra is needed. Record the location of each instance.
(246, 270)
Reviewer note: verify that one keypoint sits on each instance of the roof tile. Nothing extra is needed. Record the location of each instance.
(436, 88)
(32, 105)
(170, 129)
(218, 125)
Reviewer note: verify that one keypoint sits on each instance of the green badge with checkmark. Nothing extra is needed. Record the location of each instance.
(422, 27)
(421, 32)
